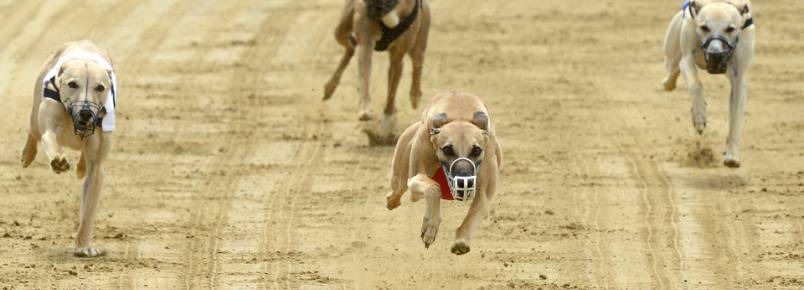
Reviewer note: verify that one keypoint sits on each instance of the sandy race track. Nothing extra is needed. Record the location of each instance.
(229, 172)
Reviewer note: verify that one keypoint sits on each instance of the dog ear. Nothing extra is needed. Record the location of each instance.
(694, 7)
(742, 6)
(481, 120)
(436, 122)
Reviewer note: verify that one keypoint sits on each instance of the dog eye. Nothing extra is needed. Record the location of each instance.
(476, 151)
(729, 29)
(100, 88)
(72, 85)
(704, 28)
(448, 150)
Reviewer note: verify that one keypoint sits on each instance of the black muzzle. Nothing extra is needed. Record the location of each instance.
(717, 61)
(86, 116)
(376, 9)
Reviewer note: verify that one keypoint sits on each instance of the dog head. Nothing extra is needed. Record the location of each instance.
(460, 148)
(718, 25)
(83, 87)
(376, 9)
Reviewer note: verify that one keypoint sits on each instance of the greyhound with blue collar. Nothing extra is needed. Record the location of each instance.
(452, 154)
(718, 36)
(75, 93)
(400, 27)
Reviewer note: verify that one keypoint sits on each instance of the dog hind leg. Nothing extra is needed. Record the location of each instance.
(672, 53)
(343, 34)
(417, 58)
(81, 169)
(30, 150)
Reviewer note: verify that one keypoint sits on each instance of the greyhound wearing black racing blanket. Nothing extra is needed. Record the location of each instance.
(400, 27)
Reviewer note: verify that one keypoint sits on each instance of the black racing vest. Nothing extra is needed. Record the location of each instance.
(390, 34)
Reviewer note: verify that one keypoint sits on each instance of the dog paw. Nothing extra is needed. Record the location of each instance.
(59, 164)
(429, 231)
(460, 248)
(89, 252)
(329, 89)
(392, 201)
(415, 98)
(669, 84)
(699, 119)
(365, 115)
(731, 161)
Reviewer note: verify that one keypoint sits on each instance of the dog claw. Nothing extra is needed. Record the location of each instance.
(460, 248)
(89, 252)
(429, 231)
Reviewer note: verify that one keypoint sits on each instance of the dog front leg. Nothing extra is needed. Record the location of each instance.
(365, 49)
(96, 150)
(421, 184)
(50, 114)
(698, 109)
(463, 235)
(739, 90)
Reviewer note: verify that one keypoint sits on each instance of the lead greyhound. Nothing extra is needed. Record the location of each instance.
(74, 93)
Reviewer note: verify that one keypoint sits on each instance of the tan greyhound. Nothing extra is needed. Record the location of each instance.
(399, 26)
(452, 153)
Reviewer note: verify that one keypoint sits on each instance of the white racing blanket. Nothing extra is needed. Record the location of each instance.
(108, 123)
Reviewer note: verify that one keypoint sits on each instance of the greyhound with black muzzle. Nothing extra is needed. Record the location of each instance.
(75, 92)
(719, 36)
(451, 154)
(400, 27)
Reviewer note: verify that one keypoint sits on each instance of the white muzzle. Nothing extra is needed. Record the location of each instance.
(462, 188)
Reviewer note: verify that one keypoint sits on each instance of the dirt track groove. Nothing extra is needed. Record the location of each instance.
(228, 171)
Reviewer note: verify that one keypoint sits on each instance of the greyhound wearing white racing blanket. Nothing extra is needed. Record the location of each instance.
(719, 36)
(75, 92)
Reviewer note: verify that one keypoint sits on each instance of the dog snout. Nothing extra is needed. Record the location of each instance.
(463, 168)
(716, 46)
(85, 115)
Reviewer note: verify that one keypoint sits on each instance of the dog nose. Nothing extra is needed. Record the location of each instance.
(85, 115)
(716, 46)
(463, 168)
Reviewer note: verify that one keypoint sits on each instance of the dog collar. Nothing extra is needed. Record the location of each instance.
(390, 34)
